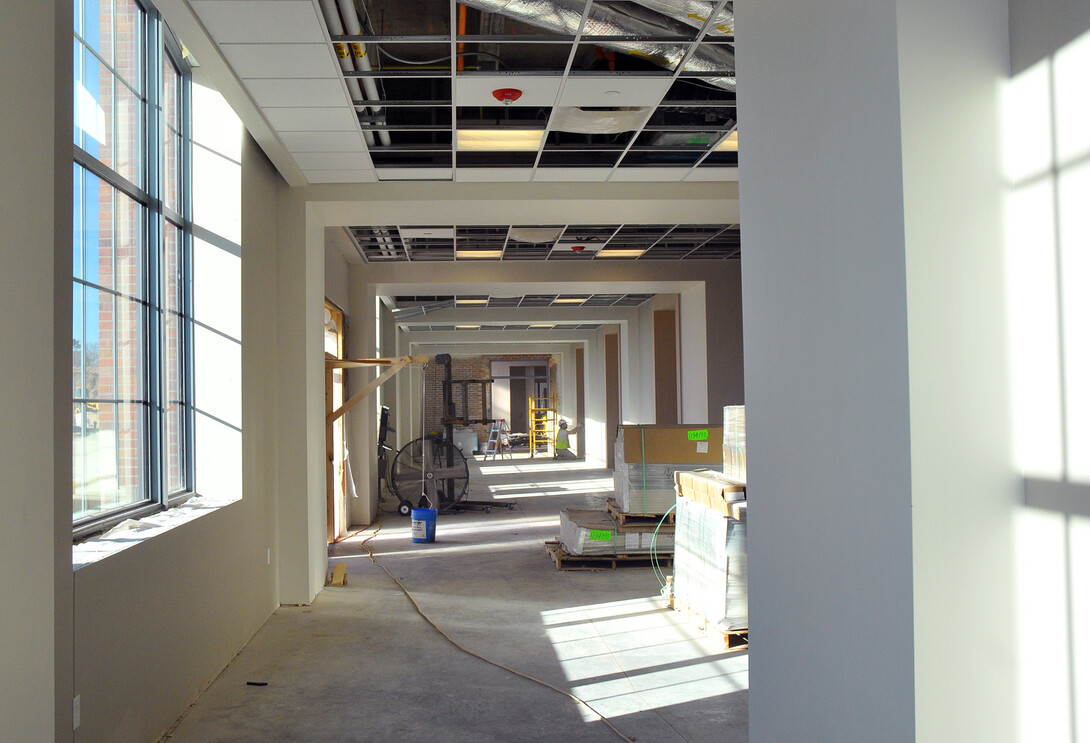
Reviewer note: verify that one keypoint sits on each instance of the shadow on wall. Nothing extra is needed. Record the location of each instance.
(1048, 258)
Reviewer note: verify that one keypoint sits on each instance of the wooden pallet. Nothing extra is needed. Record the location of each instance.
(734, 639)
(566, 561)
(627, 522)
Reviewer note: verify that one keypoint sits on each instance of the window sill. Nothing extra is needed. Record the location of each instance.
(135, 531)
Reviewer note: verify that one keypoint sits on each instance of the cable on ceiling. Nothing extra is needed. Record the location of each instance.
(441, 59)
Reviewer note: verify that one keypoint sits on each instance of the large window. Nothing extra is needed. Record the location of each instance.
(131, 328)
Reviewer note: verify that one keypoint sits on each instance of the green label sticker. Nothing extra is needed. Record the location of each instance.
(601, 535)
(701, 435)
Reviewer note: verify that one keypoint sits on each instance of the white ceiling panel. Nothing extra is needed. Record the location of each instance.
(340, 176)
(494, 175)
(590, 175)
(281, 60)
(713, 174)
(614, 91)
(330, 93)
(260, 21)
(333, 161)
(339, 119)
(476, 90)
(323, 141)
(415, 174)
(649, 174)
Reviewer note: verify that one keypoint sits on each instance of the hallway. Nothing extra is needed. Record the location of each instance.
(361, 665)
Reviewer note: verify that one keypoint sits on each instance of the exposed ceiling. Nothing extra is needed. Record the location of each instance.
(487, 91)
(366, 90)
(391, 243)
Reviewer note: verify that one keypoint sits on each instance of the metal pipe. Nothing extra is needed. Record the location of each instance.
(333, 22)
(359, 53)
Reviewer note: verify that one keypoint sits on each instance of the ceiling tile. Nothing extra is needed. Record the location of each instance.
(340, 176)
(649, 174)
(476, 90)
(264, 21)
(713, 174)
(312, 119)
(333, 161)
(614, 91)
(494, 175)
(281, 60)
(592, 175)
(323, 141)
(297, 92)
(415, 174)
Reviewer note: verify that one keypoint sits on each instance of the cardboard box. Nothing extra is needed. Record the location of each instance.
(713, 489)
(689, 444)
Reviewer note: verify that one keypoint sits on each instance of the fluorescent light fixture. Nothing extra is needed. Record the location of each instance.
(472, 301)
(542, 327)
(467, 327)
(729, 143)
(622, 253)
(480, 253)
(570, 300)
(499, 140)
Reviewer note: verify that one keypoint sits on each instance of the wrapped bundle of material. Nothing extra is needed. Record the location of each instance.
(590, 532)
(646, 459)
(734, 442)
(710, 567)
(714, 489)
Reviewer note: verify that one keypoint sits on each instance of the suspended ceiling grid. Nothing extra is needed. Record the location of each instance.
(397, 243)
(587, 110)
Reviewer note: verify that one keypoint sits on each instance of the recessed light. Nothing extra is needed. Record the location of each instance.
(479, 254)
(472, 301)
(499, 140)
(621, 253)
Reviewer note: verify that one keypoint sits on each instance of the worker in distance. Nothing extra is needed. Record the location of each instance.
(562, 446)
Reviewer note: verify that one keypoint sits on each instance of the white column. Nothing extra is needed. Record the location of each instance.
(35, 371)
(826, 373)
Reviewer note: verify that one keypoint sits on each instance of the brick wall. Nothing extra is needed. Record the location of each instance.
(469, 367)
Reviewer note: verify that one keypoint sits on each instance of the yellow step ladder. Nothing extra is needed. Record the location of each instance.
(542, 422)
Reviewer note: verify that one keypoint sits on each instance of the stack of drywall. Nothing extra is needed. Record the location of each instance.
(589, 532)
(710, 567)
(648, 457)
(734, 441)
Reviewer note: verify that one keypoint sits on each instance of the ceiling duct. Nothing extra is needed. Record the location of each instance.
(565, 17)
(693, 12)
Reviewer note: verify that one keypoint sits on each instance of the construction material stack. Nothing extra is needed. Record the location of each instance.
(710, 578)
(637, 525)
(647, 457)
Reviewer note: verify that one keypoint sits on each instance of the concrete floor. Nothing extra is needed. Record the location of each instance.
(361, 665)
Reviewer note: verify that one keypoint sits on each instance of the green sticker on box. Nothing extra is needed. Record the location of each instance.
(701, 435)
(601, 535)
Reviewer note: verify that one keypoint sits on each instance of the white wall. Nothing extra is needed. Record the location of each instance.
(964, 485)
(826, 373)
(192, 597)
(35, 371)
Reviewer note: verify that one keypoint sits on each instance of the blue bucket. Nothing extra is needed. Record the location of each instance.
(424, 524)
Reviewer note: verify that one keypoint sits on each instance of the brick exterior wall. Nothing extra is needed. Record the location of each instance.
(469, 367)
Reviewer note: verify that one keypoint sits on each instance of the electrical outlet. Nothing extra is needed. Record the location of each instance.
(75, 712)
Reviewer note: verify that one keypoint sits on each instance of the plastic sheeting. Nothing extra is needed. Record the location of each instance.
(584, 121)
(711, 573)
(590, 532)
